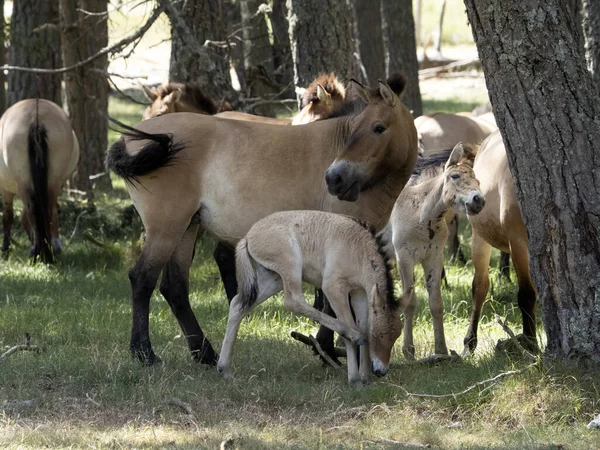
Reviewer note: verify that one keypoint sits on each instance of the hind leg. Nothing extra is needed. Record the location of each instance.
(432, 268)
(8, 219)
(408, 301)
(269, 284)
(481, 284)
(174, 287)
(527, 294)
(224, 256)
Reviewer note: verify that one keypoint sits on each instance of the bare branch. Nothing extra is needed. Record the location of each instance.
(514, 338)
(117, 47)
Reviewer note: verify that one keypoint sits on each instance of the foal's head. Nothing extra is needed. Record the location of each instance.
(386, 327)
(382, 140)
(320, 99)
(461, 187)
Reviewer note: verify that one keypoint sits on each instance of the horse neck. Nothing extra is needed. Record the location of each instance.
(433, 206)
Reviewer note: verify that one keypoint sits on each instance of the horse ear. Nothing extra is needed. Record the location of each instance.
(360, 90)
(152, 95)
(455, 156)
(387, 94)
(172, 98)
(322, 94)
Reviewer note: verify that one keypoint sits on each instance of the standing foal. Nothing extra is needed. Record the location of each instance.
(336, 253)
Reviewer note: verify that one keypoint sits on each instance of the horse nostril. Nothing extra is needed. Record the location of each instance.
(333, 179)
(478, 200)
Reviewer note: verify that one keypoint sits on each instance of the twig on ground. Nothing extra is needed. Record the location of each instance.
(514, 338)
(88, 237)
(185, 407)
(314, 344)
(438, 358)
(79, 216)
(470, 388)
(404, 444)
(26, 347)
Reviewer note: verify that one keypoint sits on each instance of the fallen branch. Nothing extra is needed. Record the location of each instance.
(309, 340)
(438, 358)
(185, 407)
(404, 444)
(514, 338)
(312, 342)
(88, 237)
(26, 347)
(435, 71)
(476, 385)
(79, 216)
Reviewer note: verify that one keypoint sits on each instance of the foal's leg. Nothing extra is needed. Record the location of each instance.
(174, 287)
(481, 284)
(408, 301)
(432, 268)
(360, 306)
(527, 294)
(8, 219)
(224, 256)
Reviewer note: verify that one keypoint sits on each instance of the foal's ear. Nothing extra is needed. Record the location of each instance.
(387, 94)
(322, 94)
(457, 153)
(172, 98)
(152, 95)
(360, 90)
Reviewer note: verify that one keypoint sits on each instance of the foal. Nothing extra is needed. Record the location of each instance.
(336, 253)
(419, 231)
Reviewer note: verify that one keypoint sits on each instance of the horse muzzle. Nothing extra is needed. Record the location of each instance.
(378, 368)
(474, 203)
(344, 181)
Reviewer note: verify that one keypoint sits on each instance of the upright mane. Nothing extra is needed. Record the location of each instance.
(190, 94)
(330, 83)
(429, 166)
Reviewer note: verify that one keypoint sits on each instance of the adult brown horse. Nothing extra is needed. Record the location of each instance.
(192, 171)
(179, 97)
(38, 153)
(500, 225)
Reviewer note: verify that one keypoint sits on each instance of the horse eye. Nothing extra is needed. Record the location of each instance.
(379, 129)
(455, 176)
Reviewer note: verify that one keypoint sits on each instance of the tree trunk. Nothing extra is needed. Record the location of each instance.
(591, 32)
(545, 103)
(282, 60)
(321, 39)
(3, 59)
(370, 39)
(34, 42)
(399, 29)
(86, 87)
(199, 51)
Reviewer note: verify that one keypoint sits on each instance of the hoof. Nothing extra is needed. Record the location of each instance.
(208, 357)
(145, 356)
(225, 373)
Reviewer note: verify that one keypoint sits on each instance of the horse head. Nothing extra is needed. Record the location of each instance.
(461, 187)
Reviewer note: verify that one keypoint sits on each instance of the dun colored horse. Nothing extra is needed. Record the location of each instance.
(499, 225)
(38, 153)
(179, 97)
(194, 171)
(418, 231)
(336, 253)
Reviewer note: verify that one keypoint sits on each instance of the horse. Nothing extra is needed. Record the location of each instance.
(417, 231)
(193, 171)
(499, 225)
(180, 97)
(441, 131)
(39, 152)
(336, 253)
(323, 96)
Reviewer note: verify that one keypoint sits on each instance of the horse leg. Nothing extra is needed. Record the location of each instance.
(481, 284)
(224, 256)
(454, 249)
(526, 295)
(360, 306)
(143, 277)
(174, 287)
(8, 218)
(408, 301)
(325, 336)
(504, 266)
(432, 267)
(267, 287)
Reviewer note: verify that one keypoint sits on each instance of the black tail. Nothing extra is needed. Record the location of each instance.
(37, 149)
(159, 152)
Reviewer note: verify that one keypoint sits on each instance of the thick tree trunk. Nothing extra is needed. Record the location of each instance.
(545, 103)
(370, 39)
(321, 39)
(34, 42)
(3, 59)
(591, 31)
(86, 87)
(282, 60)
(399, 29)
(199, 52)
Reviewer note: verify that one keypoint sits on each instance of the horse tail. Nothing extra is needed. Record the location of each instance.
(246, 275)
(37, 149)
(159, 152)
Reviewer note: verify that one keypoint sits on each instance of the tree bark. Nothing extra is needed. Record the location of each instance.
(282, 60)
(34, 42)
(370, 39)
(86, 87)
(199, 51)
(545, 103)
(321, 39)
(591, 31)
(399, 31)
(3, 59)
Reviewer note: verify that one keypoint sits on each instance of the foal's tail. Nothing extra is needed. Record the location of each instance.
(159, 152)
(37, 149)
(246, 275)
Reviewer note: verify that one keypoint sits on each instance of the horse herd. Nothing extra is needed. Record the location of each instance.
(329, 201)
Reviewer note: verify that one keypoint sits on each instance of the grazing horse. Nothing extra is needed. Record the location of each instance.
(193, 171)
(179, 97)
(38, 153)
(417, 231)
(336, 253)
(499, 225)
(442, 131)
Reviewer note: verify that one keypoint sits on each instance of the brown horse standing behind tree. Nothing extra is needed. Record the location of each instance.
(38, 153)
(192, 171)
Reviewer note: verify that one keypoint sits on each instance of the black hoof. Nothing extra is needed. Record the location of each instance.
(146, 357)
(470, 342)
(208, 357)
